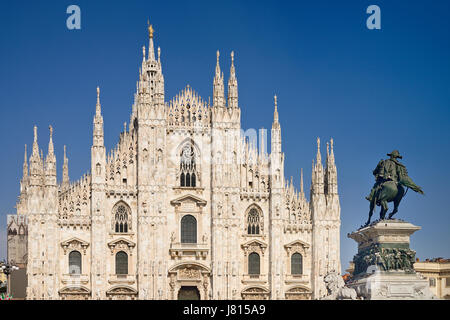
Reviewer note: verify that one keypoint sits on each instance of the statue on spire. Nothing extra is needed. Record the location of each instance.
(150, 29)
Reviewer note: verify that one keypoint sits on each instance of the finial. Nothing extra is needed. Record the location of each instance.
(51, 131)
(150, 29)
(35, 133)
(98, 93)
(218, 55)
(64, 151)
(275, 112)
(159, 53)
(319, 157)
(232, 56)
(143, 52)
(331, 143)
(328, 149)
(301, 180)
(25, 156)
(124, 127)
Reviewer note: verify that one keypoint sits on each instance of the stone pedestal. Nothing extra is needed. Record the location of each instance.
(384, 264)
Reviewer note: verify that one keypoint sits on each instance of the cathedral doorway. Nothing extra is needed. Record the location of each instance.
(188, 293)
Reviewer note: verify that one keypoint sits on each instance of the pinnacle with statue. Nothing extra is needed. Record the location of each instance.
(391, 179)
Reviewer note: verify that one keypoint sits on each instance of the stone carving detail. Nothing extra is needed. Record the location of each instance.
(385, 258)
(121, 244)
(74, 244)
(189, 273)
(336, 288)
(255, 294)
(254, 246)
(298, 293)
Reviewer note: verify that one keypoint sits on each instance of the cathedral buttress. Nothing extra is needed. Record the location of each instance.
(98, 204)
(325, 213)
(276, 208)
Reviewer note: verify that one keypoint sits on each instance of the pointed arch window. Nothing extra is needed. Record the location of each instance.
(188, 166)
(122, 218)
(121, 263)
(253, 263)
(74, 262)
(188, 229)
(253, 222)
(296, 264)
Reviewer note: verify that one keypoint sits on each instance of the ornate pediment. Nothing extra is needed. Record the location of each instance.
(181, 268)
(296, 245)
(298, 293)
(255, 293)
(74, 290)
(188, 200)
(74, 244)
(121, 244)
(254, 246)
(255, 290)
(125, 290)
(299, 289)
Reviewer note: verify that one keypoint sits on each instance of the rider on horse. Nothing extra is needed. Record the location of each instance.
(387, 170)
(390, 178)
(391, 170)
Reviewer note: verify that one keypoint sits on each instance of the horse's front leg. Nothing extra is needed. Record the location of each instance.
(384, 209)
(396, 204)
(395, 210)
(372, 206)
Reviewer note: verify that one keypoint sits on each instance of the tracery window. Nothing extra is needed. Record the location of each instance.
(253, 221)
(188, 167)
(74, 262)
(188, 229)
(253, 263)
(122, 218)
(121, 263)
(296, 264)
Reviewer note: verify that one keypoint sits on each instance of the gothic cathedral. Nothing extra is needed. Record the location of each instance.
(184, 207)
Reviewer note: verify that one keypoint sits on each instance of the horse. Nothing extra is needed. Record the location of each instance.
(389, 192)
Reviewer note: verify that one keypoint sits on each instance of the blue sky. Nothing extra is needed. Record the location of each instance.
(371, 90)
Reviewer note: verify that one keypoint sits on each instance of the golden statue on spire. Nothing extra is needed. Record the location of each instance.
(150, 29)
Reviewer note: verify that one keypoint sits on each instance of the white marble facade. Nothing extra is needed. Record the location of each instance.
(182, 159)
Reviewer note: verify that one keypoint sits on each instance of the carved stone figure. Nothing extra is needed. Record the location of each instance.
(336, 288)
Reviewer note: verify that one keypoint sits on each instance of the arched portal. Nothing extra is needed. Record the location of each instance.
(188, 293)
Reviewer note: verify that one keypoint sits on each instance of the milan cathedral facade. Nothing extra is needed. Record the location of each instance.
(184, 207)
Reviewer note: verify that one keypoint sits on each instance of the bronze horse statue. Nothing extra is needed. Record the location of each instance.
(390, 189)
(390, 192)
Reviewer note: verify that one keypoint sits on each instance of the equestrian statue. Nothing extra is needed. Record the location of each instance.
(391, 178)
